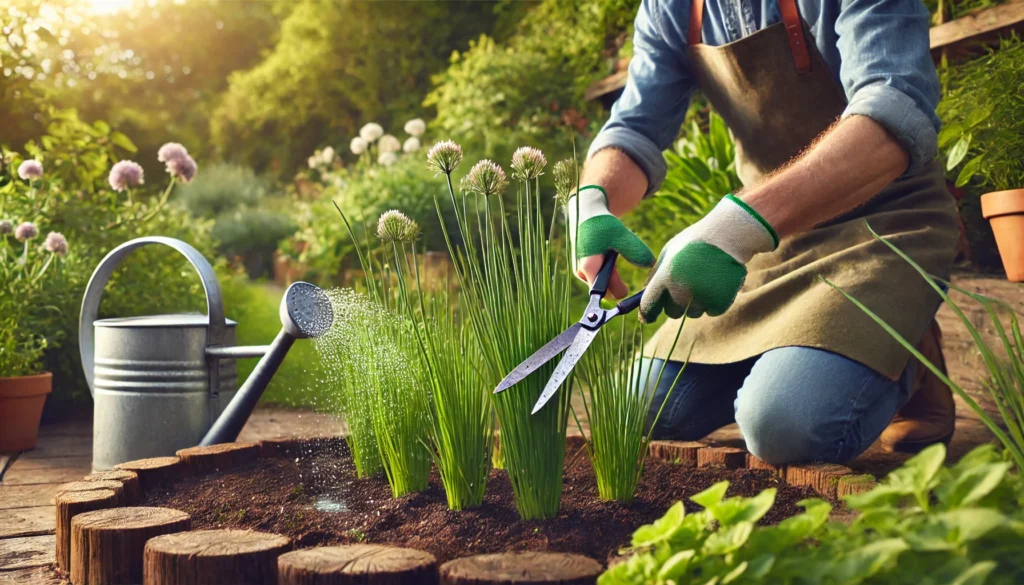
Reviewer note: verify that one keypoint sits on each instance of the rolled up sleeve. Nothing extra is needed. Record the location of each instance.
(887, 71)
(646, 118)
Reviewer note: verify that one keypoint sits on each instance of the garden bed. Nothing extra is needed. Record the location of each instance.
(313, 497)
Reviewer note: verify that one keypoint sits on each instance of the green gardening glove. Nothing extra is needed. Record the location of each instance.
(593, 230)
(702, 268)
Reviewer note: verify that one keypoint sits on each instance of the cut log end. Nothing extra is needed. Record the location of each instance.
(129, 479)
(778, 471)
(681, 452)
(360, 563)
(107, 545)
(213, 556)
(821, 477)
(154, 470)
(87, 486)
(522, 568)
(728, 457)
(71, 503)
(851, 485)
(200, 460)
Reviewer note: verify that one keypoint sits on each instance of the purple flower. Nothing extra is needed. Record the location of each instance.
(56, 243)
(26, 231)
(6, 226)
(171, 151)
(182, 169)
(125, 175)
(30, 169)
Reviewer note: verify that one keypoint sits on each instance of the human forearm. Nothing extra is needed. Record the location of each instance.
(846, 167)
(622, 179)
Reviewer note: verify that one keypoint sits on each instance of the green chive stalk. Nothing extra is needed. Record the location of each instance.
(1005, 383)
(617, 400)
(515, 291)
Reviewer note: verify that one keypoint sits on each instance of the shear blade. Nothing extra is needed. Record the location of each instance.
(569, 360)
(540, 357)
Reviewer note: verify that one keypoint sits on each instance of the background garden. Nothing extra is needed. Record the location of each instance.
(290, 107)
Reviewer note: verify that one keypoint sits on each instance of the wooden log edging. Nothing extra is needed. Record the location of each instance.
(154, 470)
(203, 460)
(213, 556)
(357, 564)
(521, 568)
(107, 545)
(129, 480)
(71, 503)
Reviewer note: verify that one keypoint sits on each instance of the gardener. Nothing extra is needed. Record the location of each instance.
(835, 128)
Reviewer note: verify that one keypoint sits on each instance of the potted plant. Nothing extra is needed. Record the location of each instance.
(30, 267)
(983, 137)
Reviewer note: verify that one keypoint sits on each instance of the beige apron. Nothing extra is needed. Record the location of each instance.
(777, 95)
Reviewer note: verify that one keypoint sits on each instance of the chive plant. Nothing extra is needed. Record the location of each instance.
(515, 292)
(618, 397)
(1005, 383)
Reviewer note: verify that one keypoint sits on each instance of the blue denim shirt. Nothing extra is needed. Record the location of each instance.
(876, 49)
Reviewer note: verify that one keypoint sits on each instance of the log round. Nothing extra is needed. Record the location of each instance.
(130, 480)
(202, 460)
(87, 486)
(107, 545)
(154, 470)
(69, 504)
(362, 564)
(521, 568)
(212, 557)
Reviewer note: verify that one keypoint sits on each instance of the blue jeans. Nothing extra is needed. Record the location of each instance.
(792, 404)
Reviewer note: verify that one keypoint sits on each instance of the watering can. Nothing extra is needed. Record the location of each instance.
(161, 383)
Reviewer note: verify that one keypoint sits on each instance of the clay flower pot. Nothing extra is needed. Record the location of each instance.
(21, 407)
(1005, 212)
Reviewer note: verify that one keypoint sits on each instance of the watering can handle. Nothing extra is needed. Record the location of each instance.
(94, 292)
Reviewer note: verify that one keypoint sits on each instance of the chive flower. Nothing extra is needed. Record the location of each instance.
(183, 169)
(125, 174)
(565, 180)
(389, 143)
(371, 132)
(56, 243)
(6, 226)
(415, 127)
(358, 145)
(444, 156)
(30, 169)
(171, 151)
(486, 178)
(26, 231)
(327, 154)
(411, 145)
(395, 226)
(387, 158)
(528, 163)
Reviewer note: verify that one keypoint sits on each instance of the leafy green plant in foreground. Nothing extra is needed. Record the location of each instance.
(923, 524)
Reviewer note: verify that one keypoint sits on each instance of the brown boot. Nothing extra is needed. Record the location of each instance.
(930, 414)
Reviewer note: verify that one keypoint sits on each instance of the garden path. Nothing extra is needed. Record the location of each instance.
(28, 482)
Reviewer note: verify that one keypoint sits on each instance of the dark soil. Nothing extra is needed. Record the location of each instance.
(317, 500)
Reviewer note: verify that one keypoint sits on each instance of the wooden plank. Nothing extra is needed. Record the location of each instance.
(33, 576)
(23, 463)
(27, 552)
(27, 521)
(977, 25)
(45, 475)
(60, 446)
(607, 85)
(27, 496)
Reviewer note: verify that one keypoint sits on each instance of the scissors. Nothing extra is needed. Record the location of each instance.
(576, 339)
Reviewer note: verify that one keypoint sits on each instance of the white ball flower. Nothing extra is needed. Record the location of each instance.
(387, 158)
(327, 155)
(411, 144)
(313, 161)
(415, 127)
(371, 132)
(358, 145)
(389, 143)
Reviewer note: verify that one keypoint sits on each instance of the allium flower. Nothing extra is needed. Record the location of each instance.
(327, 155)
(171, 151)
(313, 161)
(56, 243)
(30, 169)
(415, 127)
(183, 169)
(565, 174)
(411, 145)
(444, 156)
(387, 158)
(358, 145)
(395, 226)
(6, 226)
(371, 132)
(486, 178)
(125, 175)
(528, 163)
(389, 143)
(26, 231)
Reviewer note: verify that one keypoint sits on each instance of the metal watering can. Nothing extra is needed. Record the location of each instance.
(161, 383)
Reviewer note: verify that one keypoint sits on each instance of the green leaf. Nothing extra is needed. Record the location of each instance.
(958, 152)
(969, 170)
(662, 529)
(979, 115)
(760, 566)
(122, 141)
(711, 496)
(867, 560)
(949, 133)
(676, 565)
(970, 524)
(976, 574)
(972, 485)
(102, 127)
(728, 540)
(735, 510)
(735, 573)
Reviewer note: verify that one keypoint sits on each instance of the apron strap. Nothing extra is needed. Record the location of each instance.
(790, 17)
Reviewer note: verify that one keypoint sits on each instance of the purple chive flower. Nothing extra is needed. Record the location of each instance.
(171, 151)
(30, 169)
(26, 231)
(6, 226)
(125, 175)
(182, 169)
(56, 243)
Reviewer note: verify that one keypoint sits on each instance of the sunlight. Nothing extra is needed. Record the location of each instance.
(108, 6)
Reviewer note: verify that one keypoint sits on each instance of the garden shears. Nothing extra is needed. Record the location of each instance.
(576, 339)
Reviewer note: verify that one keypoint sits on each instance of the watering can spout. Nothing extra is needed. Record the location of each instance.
(305, 313)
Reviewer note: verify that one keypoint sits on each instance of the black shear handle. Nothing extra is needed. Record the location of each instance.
(600, 286)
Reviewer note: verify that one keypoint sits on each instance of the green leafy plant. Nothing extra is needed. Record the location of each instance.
(926, 523)
(617, 401)
(1005, 381)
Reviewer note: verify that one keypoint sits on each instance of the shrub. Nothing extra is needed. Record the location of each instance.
(252, 235)
(222, 188)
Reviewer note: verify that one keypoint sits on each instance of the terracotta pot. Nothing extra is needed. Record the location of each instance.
(21, 407)
(1004, 210)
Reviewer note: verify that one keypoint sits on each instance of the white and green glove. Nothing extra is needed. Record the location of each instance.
(702, 268)
(593, 230)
